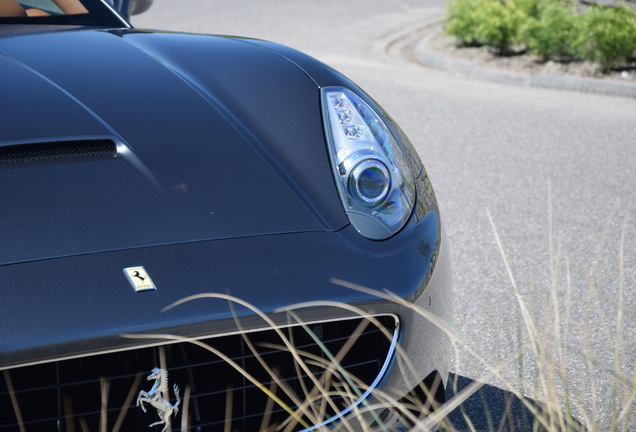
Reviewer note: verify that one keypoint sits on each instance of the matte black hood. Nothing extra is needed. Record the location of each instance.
(206, 147)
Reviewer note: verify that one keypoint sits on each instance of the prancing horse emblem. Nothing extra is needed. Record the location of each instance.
(154, 398)
(139, 279)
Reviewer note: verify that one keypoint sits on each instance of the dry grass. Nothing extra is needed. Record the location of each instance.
(569, 389)
(555, 405)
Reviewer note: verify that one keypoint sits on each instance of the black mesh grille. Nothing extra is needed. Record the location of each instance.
(66, 395)
(57, 150)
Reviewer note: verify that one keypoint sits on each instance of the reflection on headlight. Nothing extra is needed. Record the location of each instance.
(371, 169)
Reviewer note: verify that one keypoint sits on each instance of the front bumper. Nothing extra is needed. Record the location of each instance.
(77, 307)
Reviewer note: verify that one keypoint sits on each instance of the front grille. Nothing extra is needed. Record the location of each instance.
(80, 394)
(57, 150)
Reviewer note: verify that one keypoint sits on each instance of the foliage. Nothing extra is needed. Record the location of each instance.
(529, 8)
(550, 34)
(607, 35)
(487, 22)
(552, 29)
(461, 22)
(498, 23)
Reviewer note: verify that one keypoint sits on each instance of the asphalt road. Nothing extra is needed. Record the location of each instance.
(555, 169)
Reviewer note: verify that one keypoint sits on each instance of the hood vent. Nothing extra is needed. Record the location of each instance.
(100, 148)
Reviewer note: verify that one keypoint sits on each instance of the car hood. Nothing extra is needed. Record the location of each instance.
(215, 138)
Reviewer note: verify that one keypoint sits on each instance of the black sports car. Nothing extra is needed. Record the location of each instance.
(225, 217)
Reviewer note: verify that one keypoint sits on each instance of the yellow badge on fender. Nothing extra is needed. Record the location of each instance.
(139, 279)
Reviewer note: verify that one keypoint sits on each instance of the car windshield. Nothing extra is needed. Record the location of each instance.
(62, 12)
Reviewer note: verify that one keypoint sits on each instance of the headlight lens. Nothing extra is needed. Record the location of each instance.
(370, 166)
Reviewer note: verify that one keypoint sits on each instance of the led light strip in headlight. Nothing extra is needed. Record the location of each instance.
(370, 167)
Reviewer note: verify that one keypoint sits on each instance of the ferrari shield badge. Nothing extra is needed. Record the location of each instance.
(139, 279)
(154, 397)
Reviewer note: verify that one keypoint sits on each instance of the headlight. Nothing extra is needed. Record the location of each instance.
(369, 164)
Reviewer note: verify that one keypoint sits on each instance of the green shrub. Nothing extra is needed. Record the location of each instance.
(494, 23)
(461, 21)
(529, 8)
(487, 22)
(607, 35)
(499, 22)
(549, 28)
(551, 33)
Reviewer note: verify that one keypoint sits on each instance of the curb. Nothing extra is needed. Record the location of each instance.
(437, 60)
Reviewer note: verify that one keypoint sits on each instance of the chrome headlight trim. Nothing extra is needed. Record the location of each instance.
(370, 164)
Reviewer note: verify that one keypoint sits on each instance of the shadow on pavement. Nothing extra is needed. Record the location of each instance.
(489, 409)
